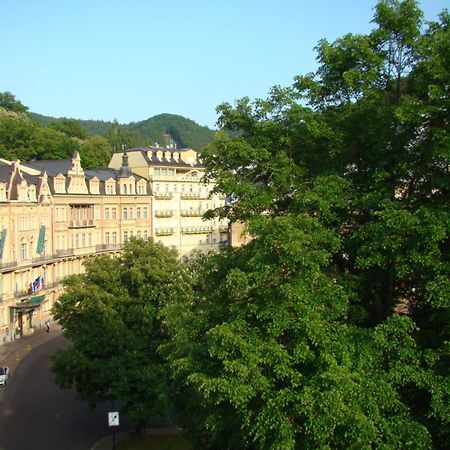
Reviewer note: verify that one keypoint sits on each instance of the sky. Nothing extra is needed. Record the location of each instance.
(131, 60)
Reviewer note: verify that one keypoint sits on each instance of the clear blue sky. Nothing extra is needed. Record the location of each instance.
(131, 60)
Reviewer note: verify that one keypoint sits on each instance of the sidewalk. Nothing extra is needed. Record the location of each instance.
(23, 344)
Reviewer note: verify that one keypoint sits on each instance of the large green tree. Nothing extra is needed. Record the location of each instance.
(268, 355)
(110, 314)
(343, 181)
(95, 151)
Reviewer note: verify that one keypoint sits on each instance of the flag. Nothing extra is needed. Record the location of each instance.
(38, 283)
(41, 240)
(2, 241)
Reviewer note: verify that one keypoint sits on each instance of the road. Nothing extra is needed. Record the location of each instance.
(35, 413)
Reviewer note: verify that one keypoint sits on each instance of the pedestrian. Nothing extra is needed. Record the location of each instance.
(47, 324)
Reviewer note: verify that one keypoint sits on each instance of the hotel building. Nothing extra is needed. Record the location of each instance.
(54, 215)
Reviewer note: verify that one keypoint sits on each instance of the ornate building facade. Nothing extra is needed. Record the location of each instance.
(55, 214)
(179, 198)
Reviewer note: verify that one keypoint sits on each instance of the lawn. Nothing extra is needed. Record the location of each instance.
(155, 442)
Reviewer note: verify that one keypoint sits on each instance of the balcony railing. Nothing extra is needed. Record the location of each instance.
(192, 195)
(65, 252)
(43, 258)
(8, 265)
(164, 231)
(163, 195)
(163, 213)
(86, 223)
(108, 247)
(20, 293)
(192, 212)
(196, 230)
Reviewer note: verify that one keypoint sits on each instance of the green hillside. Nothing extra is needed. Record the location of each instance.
(184, 132)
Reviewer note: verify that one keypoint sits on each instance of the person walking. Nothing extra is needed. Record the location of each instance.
(47, 324)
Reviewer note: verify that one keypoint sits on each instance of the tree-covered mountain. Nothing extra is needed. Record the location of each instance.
(25, 135)
(184, 132)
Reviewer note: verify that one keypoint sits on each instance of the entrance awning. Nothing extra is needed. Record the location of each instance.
(37, 299)
(28, 305)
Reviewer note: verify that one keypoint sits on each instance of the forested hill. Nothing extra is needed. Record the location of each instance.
(184, 132)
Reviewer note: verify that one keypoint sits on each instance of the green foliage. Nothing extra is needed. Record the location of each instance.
(110, 315)
(184, 132)
(70, 127)
(95, 151)
(267, 355)
(343, 181)
(10, 103)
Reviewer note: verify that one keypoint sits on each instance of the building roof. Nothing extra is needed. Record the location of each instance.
(5, 173)
(102, 173)
(53, 167)
(105, 173)
(163, 162)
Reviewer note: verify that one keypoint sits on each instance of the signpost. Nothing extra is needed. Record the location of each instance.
(113, 421)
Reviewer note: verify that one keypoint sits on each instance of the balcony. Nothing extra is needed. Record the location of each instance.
(43, 259)
(85, 223)
(192, 196)
(108, 247)
(45, 289)
(192, 212)
(196, 230)
(163, 195)
(163, 213)
(164, 231)
(9, 265)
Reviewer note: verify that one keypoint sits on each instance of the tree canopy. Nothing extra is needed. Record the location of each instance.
(331, 328)
(110, 314)
(8, 101)
(22, 138)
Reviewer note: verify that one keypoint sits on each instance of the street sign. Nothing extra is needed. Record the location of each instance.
(113, 419)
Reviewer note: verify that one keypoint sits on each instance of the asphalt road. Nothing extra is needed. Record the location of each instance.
(35, 414)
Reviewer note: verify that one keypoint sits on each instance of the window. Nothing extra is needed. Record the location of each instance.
(77, 241)
(138, 212)
(145, 235)
(114, 213)
(124, 188)
(131, 213)
(83, 240)
(107, 237)
(23, 251)
(125, 236)
(106, 213)
(114, 237)
(125, 213)
(145, 212)
(138, 233)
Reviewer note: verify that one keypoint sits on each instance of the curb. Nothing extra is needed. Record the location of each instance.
(106, 442)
